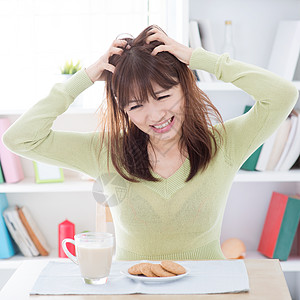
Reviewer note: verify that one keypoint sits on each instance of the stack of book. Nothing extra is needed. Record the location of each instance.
(281, 232)
(281, 150)
(11, 170)
(18, 228)
(283, 57)
(200, 35)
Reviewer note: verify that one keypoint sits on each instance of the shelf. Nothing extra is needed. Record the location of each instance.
(70, 111)
(28, 185)
(267, 176)
(291, 265)
(220, 86)
(74, 184)
(216, 86)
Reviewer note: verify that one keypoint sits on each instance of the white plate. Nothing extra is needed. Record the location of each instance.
(154, 279)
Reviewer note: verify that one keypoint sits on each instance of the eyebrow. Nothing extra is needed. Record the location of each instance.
(156, 93)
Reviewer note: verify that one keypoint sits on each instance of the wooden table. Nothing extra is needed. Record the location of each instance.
(266, 281)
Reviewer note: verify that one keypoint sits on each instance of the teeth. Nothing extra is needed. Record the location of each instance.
(163, 125)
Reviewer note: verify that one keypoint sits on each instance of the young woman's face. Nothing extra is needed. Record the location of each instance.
(161, 118)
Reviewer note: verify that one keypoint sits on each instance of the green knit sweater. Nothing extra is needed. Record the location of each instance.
(170, 219)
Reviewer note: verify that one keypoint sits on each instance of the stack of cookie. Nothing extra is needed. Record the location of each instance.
(166, 268)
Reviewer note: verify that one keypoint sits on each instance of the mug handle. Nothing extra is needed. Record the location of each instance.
(73, 258)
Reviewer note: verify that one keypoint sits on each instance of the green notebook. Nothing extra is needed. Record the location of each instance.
(288, 229)
(251, 162)
(1, 175)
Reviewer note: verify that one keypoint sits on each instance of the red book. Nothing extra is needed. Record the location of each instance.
(280, 226)
(11, 163)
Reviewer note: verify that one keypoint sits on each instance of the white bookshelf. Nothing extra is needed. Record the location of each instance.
(253, 33)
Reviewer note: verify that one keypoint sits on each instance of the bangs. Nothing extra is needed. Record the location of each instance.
(136, 73)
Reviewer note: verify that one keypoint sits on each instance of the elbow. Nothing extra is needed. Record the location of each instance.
(7, 140)
(10, 141)
(292, 94)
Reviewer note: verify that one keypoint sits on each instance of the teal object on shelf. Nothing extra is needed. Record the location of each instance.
(251, 162)
(1, 174)
(8, 247)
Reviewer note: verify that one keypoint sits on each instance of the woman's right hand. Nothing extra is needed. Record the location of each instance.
(95, 71)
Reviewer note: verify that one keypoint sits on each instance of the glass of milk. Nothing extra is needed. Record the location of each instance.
(94, 251)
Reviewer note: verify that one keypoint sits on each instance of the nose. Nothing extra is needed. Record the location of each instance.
(155, 113)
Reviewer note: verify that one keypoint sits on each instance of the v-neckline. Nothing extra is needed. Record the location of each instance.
(174, 174)
(167, 187)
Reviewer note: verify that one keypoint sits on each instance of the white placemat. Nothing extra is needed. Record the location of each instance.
(205, 277)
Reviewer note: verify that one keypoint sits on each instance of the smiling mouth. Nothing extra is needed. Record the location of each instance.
(164, 124)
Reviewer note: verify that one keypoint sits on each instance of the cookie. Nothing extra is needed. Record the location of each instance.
(135, 269)
(146, 270)
(173, 267)
(159, 271)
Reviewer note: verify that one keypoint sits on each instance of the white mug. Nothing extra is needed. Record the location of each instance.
(94, 251)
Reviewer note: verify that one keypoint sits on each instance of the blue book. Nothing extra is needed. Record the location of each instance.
(8, 247)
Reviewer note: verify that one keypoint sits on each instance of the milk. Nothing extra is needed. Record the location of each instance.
(94, 261)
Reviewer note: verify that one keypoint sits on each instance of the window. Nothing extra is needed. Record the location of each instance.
(38, 36)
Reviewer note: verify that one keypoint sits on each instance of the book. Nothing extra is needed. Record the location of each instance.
(292, 150)
(281, 138)
(1, 174)
(33, 231)
(295, 251)
(287, 44)
(207, 38)
(296, 165)
(267, 149)
(291, 139)
(8, 247)
(195, 42)
(11, 163)
(18, 232)
(206, 35)
(250, 163)
(265, 153)
(280, 226)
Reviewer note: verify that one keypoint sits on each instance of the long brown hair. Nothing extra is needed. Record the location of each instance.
(135, 72)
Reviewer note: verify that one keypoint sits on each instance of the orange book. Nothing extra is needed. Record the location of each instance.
(33, 231)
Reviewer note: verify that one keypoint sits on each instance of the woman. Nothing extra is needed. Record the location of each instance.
(166, 168)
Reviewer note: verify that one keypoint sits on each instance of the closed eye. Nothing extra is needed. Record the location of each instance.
(163, 97)
(134, 107)
(159, 98)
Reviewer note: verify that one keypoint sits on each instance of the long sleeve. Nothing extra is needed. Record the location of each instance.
(275, 98)
(31, 135)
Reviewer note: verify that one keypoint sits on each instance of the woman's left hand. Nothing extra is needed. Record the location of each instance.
(182, 52)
